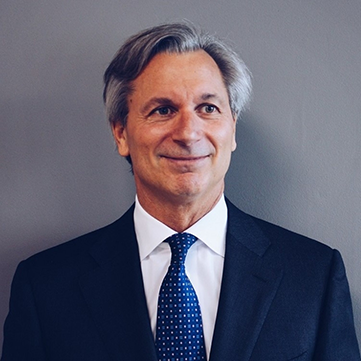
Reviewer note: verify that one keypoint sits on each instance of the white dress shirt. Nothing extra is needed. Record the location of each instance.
(204, 262)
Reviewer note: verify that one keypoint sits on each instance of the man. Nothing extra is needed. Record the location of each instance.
(258, 292)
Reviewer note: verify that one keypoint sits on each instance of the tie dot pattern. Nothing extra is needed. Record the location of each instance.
(179, 335)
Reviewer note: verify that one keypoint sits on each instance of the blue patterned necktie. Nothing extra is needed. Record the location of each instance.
(179, 333)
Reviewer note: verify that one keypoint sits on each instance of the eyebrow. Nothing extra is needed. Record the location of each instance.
(211, 96)
(208, 96)
(155, 101)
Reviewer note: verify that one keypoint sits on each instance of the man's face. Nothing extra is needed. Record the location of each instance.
(180, 131)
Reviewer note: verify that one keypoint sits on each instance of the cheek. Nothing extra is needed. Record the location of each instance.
(226, 139)
(140, 146)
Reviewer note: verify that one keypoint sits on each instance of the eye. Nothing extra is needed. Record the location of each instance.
(209, 108)
(162, 111)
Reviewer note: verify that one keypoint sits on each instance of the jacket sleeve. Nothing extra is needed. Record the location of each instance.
(22, 334)
(336, 336)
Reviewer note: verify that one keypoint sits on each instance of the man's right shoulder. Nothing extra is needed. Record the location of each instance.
(80, 248)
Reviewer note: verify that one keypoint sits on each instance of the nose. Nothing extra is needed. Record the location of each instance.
(187, 128)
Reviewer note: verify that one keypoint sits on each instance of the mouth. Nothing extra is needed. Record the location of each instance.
(185, 158)
(186, 161)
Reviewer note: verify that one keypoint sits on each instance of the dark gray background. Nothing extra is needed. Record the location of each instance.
(298, 161)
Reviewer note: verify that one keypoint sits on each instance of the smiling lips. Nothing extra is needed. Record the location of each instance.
(185, 160)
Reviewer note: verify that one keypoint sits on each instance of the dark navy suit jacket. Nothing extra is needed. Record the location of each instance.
(283, 297)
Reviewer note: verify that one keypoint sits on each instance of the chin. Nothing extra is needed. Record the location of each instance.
(191, 190)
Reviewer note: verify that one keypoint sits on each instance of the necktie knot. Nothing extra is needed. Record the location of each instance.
(180, 244)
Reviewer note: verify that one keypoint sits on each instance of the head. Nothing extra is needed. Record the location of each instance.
(136, 53)
(173, 96)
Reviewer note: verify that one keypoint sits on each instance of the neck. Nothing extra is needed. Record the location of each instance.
(179, 214)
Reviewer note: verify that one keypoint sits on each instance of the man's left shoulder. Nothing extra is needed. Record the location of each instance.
(280, 240)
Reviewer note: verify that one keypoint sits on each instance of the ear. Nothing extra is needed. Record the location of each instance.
(234, 143)
(121, 139)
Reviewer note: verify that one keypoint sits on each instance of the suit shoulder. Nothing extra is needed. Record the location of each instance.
(279, 234)
(78, 248)
(279, 238)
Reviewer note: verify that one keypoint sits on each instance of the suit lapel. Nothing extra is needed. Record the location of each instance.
(115, 296)
(249, 285)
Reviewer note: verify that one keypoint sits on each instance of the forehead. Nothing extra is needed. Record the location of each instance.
(168, 72)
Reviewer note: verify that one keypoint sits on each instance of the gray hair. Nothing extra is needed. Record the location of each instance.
(136, 53)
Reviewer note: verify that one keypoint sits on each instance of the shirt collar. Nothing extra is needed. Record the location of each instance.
(210, 229)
